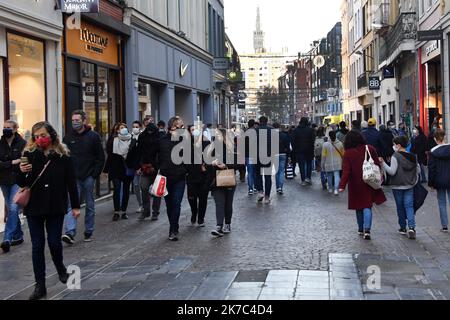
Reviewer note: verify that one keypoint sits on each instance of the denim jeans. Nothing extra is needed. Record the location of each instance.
(173, 203)
(305, 164)
(13, 228)
(121, 194)
(250, 174)
(404, 199)
(85, 191)
(53, 225)
(364, 219)
(442, 200)
(137, 189)
(423, 175)
(267, 188)
(279, 177)
(337, 179)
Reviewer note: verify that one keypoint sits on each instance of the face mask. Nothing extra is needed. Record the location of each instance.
(136, 131)
(396, 149)
(415, 132)
(196, 133)
(8, 133)
(77, 125)
(44, 142)
(124, 132)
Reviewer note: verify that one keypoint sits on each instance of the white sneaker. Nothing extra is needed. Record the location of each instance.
(267, 200)
(336, 193)
(330, 190)
(226, 229)
(140, 210)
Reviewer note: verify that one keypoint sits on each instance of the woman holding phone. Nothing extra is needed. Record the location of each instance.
(47, 168)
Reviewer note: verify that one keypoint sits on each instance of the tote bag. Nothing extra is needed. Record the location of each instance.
(226, 178)
(371, 172)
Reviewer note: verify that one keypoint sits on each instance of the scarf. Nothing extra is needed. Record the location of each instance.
(121, 145)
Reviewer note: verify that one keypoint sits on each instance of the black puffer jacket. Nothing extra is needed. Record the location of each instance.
(50, 194)
(195, 173)
(148, 145)
(8, 153)
(439, 167)
(419, 146)
(304, 140)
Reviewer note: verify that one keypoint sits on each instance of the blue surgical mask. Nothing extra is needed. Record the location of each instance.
(124, 131)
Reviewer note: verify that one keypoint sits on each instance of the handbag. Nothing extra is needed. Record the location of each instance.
(371, 172)
(226, 178)
(148, 169)
(22, 197)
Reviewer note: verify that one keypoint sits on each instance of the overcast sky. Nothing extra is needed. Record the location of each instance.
(287, 23)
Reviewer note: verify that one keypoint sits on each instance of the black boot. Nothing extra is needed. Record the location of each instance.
(63, 275)
(40, 291)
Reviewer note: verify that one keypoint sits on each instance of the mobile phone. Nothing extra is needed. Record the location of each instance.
(24, 160)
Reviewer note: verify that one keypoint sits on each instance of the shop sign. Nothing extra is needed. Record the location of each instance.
(86, 6)
(429, 35)
(89, 90)
(388, 73)
(374, 83)
(431, 48)
(221, 64)
(94, 42)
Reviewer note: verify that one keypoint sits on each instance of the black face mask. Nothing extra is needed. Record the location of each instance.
(8, 133)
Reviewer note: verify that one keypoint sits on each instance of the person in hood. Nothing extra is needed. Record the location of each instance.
(342, 132)
(86, 150)
(148, 170)
(419, 146)
(117, 148)
(11, 148)
(405, 172)
(439, 174)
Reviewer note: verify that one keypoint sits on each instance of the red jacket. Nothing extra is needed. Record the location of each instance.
(360, 195)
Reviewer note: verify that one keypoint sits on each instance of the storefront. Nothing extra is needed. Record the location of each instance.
(30, 77)
(165, 77)
(431, 110)
(93, 73)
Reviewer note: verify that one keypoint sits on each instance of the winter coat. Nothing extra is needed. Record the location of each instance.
(212, 170)
(262, 132)
(115, 167)
(195, 173)
(284, 143)
(372, 136)
(250, 142)
(386, 141)
(148, 146)
(51, 192)
(318, 146)
(8, 171)
(404, 171)
(304, 140)
(87, 153)
(332, 156)
(439, 167)
(360, 195)
(419, 146)
(173, 172)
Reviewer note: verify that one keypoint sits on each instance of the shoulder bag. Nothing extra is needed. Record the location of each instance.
(371, 172)
(22, 197)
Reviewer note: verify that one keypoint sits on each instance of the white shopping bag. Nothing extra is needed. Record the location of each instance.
(159, 187)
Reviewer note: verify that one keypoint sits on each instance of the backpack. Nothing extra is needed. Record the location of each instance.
(318, 147)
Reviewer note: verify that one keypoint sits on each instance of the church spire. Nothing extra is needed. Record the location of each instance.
(258, 34)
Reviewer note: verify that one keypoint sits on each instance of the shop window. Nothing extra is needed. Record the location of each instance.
(27, 96)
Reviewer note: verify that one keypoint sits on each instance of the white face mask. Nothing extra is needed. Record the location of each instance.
(136, 131)
(396, 149)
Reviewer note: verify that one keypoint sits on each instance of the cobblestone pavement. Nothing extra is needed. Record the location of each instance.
(303, 246)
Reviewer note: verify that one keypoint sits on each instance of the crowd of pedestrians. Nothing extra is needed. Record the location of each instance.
(199, 160)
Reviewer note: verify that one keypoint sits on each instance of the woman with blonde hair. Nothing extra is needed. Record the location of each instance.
(47, 169)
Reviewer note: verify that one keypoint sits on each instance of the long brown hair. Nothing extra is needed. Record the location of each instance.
(60, 148)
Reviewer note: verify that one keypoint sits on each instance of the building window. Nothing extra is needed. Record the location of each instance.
(27, 95)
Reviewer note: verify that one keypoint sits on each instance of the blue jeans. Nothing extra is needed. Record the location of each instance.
(267, 189)
(250, 174)
(337, 179)
(13, 228)
(364, 218)
(442, 200)
(173, 203)
(423, 174)
(279, 177)
(305, 164)
(404, 199)
(86, 192)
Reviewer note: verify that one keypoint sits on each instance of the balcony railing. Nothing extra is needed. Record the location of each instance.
(404, 30)
(363, 80)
